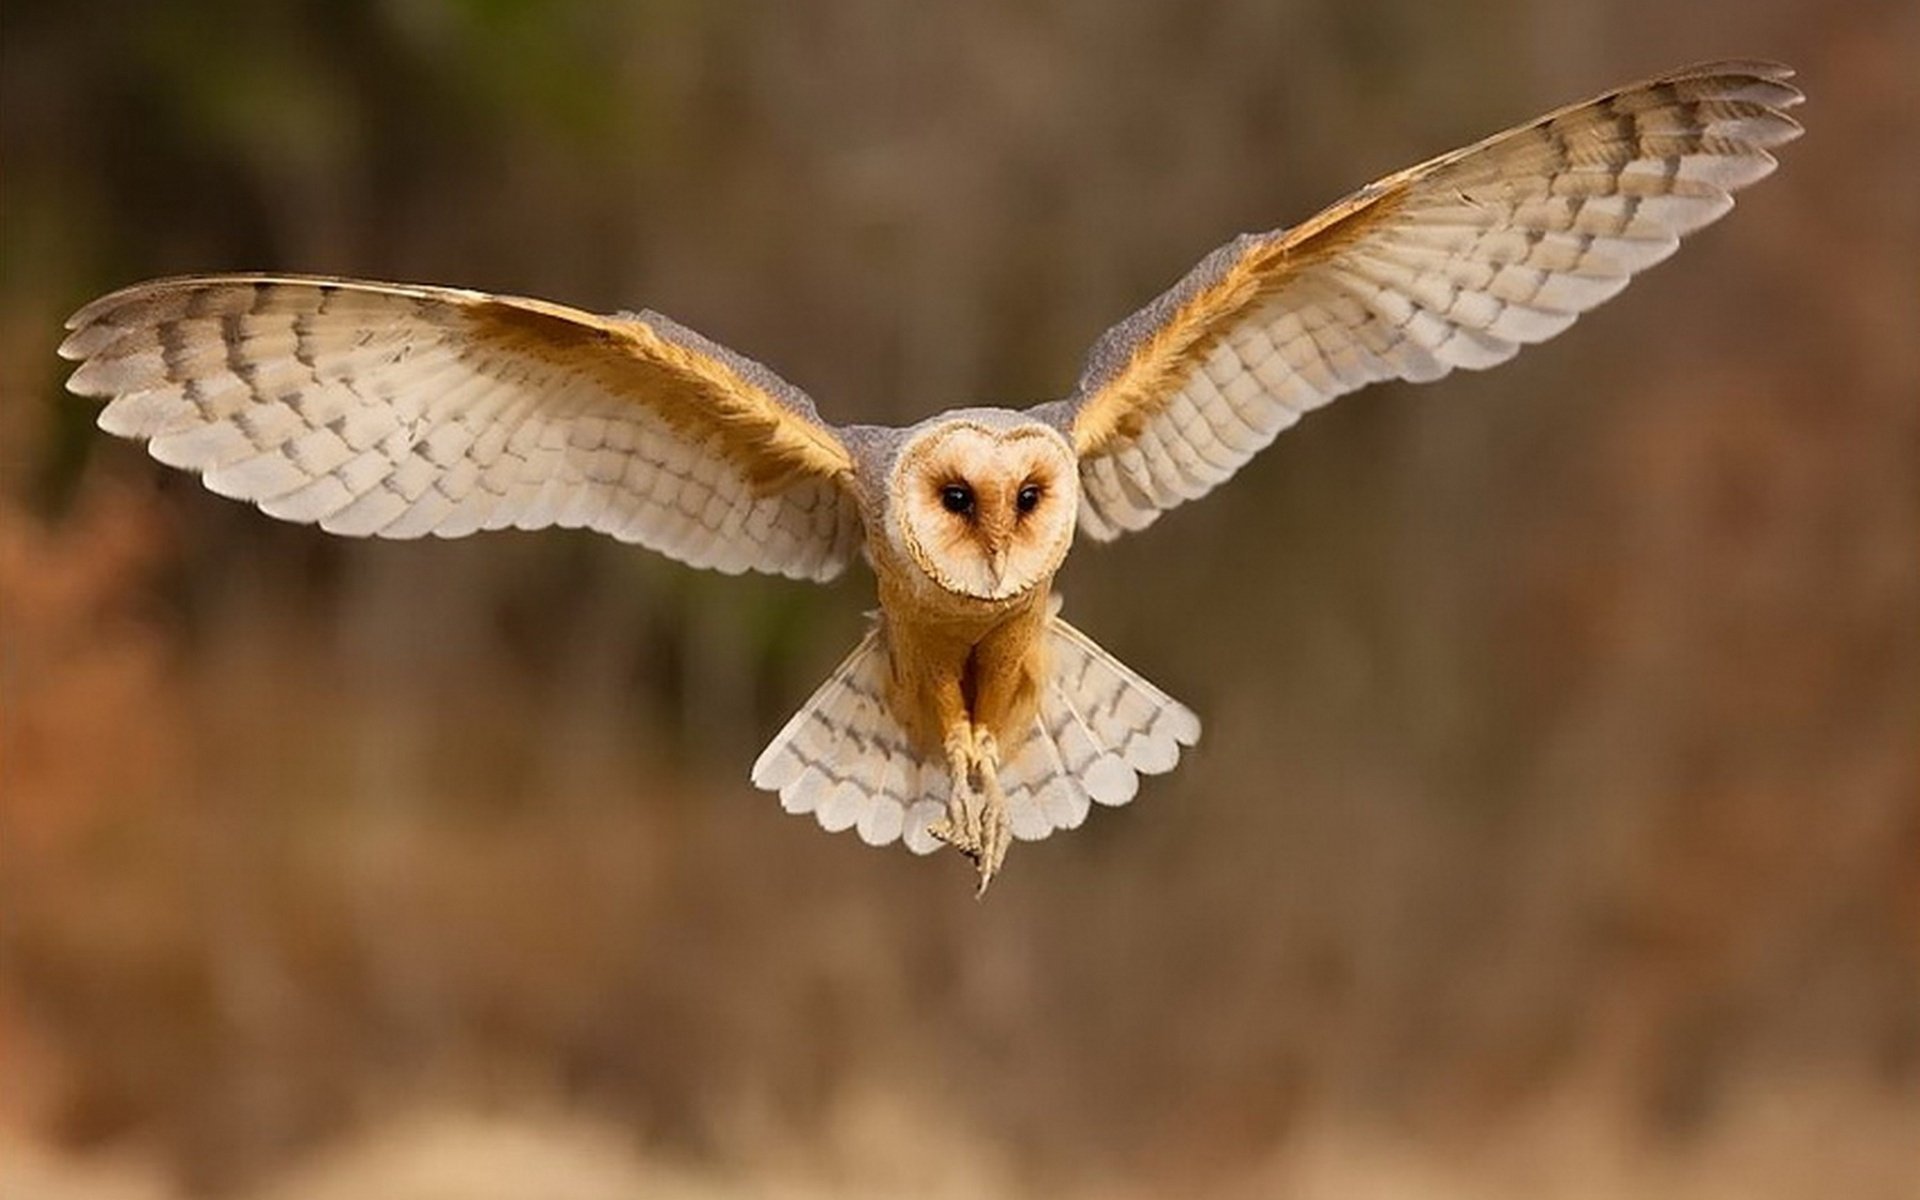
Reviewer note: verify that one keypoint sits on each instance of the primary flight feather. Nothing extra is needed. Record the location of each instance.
(971, 713)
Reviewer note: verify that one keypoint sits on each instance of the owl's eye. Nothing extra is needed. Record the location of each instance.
(1028, 498)
(957, 498)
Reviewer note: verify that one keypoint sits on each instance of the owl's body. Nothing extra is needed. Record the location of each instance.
(980, 658)
(971, 713)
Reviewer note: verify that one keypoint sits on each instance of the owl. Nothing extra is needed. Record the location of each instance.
(971, 713)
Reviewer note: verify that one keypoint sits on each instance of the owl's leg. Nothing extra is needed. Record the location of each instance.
(996, 824)
(977, 823)
(961, 828)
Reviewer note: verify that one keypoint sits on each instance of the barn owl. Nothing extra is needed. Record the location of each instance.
(971, 713)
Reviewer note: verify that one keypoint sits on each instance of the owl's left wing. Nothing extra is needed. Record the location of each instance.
(396, 410)
(1457, 262)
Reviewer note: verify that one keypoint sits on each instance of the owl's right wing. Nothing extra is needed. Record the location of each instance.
(1457, 262)
(396, 411)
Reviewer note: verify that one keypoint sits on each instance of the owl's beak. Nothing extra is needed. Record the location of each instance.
(997, 564)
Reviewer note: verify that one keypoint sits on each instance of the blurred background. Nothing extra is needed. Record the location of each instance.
(1557, 827)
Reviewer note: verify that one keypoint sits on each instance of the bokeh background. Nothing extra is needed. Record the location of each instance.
(1557, 827)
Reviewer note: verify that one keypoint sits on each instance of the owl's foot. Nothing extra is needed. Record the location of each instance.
(996, 824)
(961, 828)
(977, 823)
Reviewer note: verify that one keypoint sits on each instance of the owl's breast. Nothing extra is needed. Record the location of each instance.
(953, 659)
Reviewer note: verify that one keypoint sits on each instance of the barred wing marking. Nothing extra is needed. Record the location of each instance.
(1457, 262)
(397, 411)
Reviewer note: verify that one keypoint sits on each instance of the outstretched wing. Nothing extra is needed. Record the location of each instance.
(1457, 262)
(397, 411)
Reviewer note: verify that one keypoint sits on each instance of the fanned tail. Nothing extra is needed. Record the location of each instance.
(845, 759)
(1100, 726)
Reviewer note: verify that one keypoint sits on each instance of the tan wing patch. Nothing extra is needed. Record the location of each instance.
(1120, 409)
(697, 395)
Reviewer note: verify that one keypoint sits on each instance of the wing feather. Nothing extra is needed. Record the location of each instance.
(393, 410)
(1452, 264)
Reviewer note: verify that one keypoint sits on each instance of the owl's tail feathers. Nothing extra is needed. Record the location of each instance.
(845, 759)
(1100, 727)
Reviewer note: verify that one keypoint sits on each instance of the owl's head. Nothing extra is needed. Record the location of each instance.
(985, 506)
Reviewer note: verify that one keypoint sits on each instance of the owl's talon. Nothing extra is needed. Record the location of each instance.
(996, 836)
(952, 830)
(996, 824)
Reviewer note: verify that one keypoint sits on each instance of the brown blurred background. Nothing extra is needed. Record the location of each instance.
(1557, 827)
